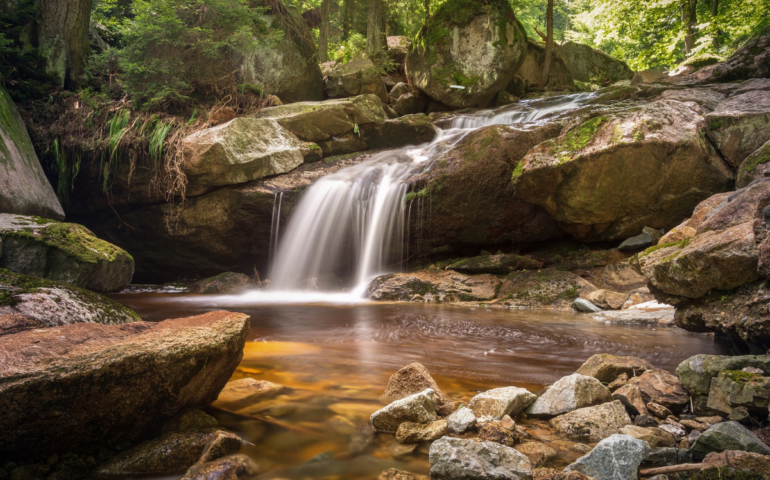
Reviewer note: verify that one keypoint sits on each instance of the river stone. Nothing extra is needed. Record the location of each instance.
(728, 436)
(24, 188)
(501, 264)
(417, 408)
(740, 125)
(632, 398)
(433, 286)
(170, 454)
(655, 437)
(593, 66)
(63, 252)
(585, 306)
(668, 456)
(398, 132)
(410, 380)
(88, 385)
(673, 428)
(497, 432)
(608, 299)
(736, 459)
(358, 76)
(615, 458)
(468, 459)
(663, 388)
(696, 372)
(409, 432)
(247, 390)
(606, 368)
(461, 420)
(537, 452)
(394, 474)
(238, 151)
(231, 467)
(228, 282)
(756, 166)
(569, 393)
(637, 242)
(660, 142)
(591, 424)
(659, 410)
(498, 402)
(736, 388)
(551, 474)
(475, 46)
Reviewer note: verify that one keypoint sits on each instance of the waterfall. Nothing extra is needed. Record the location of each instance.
(275, 224)
(352, 222)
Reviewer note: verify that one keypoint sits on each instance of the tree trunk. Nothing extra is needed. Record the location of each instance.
(427, 11)
(376, 39)
(323, 33)
(714, 13)
(548, 45)
(689, 20)
(347, 20)
(566, 21)
(63, 38)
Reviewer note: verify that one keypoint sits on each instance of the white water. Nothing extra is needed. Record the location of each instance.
(353, 221)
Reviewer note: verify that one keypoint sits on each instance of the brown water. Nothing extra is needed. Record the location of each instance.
(337, 360)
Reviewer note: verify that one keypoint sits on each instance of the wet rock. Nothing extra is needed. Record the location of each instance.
(499, 402)
(410, 380)
(398, 132)
(658, 410)
(498, 433)
(632, 398)
(593, 423)
(662, 388)
(739, 125)
(491, 46)
(537, 452)
(453, 458)
(615, 458)
(655, 437)
(637, 242)
(227, 282)
(607, 299)
(433, 286)
(246, 390)
(568, 394)
(585, 306)
(752, 462)
(728, 436)
(226, 468)
(495, 264)
(461, 420)
(400, 450)
(393, 474)
(755, 166)
(594, 66)
(551, 474)
(417, 408)
(122, 381)
(447, 408)
(543, 288)
(606, 368)
(63, 252)
(358, 76)
(409, 432)
(737, 388)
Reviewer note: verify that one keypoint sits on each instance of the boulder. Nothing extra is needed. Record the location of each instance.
(752, 462)
(498, 402)
(409, 432)
(593, 66)
(663, 388)
(531, 70)
(27, 303)
(728, 436)
(410, 380)
(89, 385)
(654, 437)
(461, 420)
(592, 424)
(637, 242)
(62, 252)
(411, 102)
(568, 394)
(432, 286)
(238, 151)
(501, 264)
(621, 277)
(498, 433)
(398, 132)
(615, 458)
(606, 368)
(417, 408)
(246, 390)
(228, 282)
(543, 288)
(608, 299)
(755, 166)
(739, 125)
(648, 76)
(231, 467)
(736, 388)
(652, 157)
(24, 188)
(632, 398)
(467, 53)
(358, 76)
(585, 306)
(456, 458)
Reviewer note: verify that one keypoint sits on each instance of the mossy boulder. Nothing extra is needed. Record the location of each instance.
(501, 264)
(739, 125)
(544, 288)
(531, 70)
(64, 252)
(359, 76)
(736, 388)
(398, 132)
(228, 282)
(468, 52)
(756, 166)
(433, 286)
(24, 189)
(611, 175)
(593, 66)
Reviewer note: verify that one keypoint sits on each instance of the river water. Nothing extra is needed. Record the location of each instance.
(336, 359)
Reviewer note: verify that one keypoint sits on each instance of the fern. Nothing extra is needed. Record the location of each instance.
(157, 138)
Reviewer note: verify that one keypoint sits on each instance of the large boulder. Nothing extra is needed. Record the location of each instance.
(228, 282)
(467, 459)
(615, 458)
(63, 252)
(593, 66)
(651, 160)
(662, 388)
(359, 76)
(543, 288)
(433, 286)
(756, 166)
(697, 372)
(24, 189)
(728, 436)
(500, 264)
(568, 394)
(531, 70)
(467, 53)
(88, 385)
(606, 368)
(735, 388)
(739, 125)
(592, 424)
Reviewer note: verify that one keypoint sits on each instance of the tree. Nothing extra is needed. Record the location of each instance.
(548, 44)
(427, 11)
(689, 20)
(714, 13)
(63, 38)
(376, 39)
(323, 32)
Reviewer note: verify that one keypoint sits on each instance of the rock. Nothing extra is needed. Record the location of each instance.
(573, 175)
(246, 390)
(637, 242)
(739, 125)
(537, 452)
(239, 151)
(736, 388)
(631, 397)
(615, 458)
(753, 462)
(740, 415)
(621, 277)
(477, 47)
(227, 282)
(226, 468)
(593, 66)
(410, 380)
(592, 424)
(551, 474)
(749, 61)
(122, 381)
(586, 306)
(461, 420)
(455, 458)
(606, 368)
(607, 299)
(543, 288)
(172, 453)
(504, 98)
(658, 410)
(398, 90)
(696, 372)
(728, 436)
(410, 103)
(618, 382)
(668, 456)
(675, 429)
(25, 189)
(647, 76)
(663, 388)
(193, 419)
(358, 76)
(409, 432)
(568, 394)
(498, 402)
(694, 425)
(655, 437)
(417, 408)
(645, 421)
(498, 433)
(531, 69)
(754, 167)
(433, 286)
(398, 132)
(63, 252)
(393, 474)
(449, 407)
(495, 264)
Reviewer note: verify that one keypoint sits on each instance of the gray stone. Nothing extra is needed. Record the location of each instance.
(461, 420)
(677, 431)
(499, 402)
(615, 458)
(668, 456)
(593, 423)
(728, 436)
(570, 393)
(583, 305)
(468, 459)
(417, 408)
(638, 242)
(696, 372)
(655, 437)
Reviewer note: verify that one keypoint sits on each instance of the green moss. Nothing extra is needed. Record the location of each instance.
(741, 377)
(517, 172)
(617, 134)
(638, 136)
(577, 139)
(757, 158)
(715, 124)
(413, 195)
(680, 244)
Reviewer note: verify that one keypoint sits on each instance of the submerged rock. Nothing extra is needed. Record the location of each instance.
(615, 458)
(226, 468)
(591, 424)
(498, 402)
(569, 393)
(456, 458)
(228, 282)
(417, 408)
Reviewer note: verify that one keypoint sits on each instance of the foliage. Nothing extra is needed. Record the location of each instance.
(21, 68)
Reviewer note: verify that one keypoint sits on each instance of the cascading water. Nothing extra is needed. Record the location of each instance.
(353, 221)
